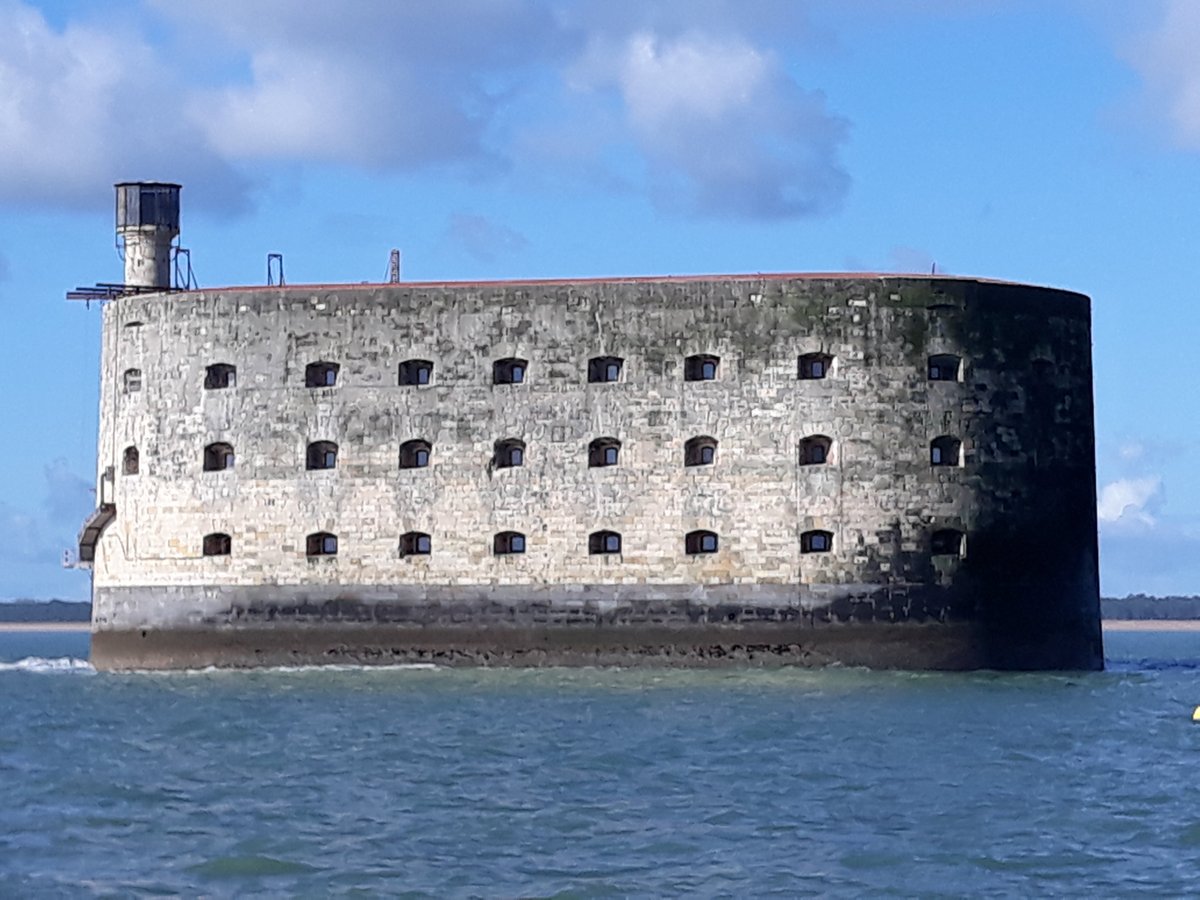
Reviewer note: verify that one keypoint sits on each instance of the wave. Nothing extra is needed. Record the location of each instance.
(67, 664)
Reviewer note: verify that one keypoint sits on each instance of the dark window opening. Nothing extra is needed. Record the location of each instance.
(321, 374)
(700, 451)
(133, 380)
(130, 461)
(945, 451)
(604, 542)
(603, 452)
(945, 367)
(416, 372)
(813, 365)
(217, 544)
(814, 450)
(219, 376)
(604, 369)
(509, 454)
(322, 543)
(700, 542)
(1043, 369)
(415, 543)
(218, 457)
(321, 455)
(509, 371)
(946, 542)
(508, 542)
(414, 454)
(701, 367)
(816, 542)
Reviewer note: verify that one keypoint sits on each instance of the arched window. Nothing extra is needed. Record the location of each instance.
(415, 543)
(321, 455)
(701, 367)
(218, 457)
(414, 454)
(219, 376)
(130, 461)
(604, 369)
(604, 542)
(132, 380)
(321, 374)
(700, 542)
(217, 544)
(509, 453)
(945, 451)
(508, 542)
(813, 365)
(603, 452)
(816, 542)
(814, 450)
(415, 372)
(509, 371)
(321, 543)
(945, 367)
(700, 451)
(946, 542)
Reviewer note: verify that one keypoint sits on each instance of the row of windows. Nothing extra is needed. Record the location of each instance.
(945, 542)
(510, 453)
(513, 370)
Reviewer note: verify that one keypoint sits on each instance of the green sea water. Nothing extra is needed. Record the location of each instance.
(599, 783)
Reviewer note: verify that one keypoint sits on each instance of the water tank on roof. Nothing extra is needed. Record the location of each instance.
(147, 223)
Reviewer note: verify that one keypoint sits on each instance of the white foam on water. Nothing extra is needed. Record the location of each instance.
(58, 664)
(269, 670)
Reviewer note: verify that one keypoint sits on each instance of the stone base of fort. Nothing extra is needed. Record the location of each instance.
(758, 625)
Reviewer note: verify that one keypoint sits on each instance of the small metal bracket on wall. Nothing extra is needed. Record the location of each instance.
(275, 269)
(185, 279)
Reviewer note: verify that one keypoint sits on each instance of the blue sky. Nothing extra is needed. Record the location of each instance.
(1050, 141)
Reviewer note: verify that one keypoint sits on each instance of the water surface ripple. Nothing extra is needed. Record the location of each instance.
(598, 783)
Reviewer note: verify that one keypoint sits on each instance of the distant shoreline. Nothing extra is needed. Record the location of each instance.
(1108, 625)
(1151, 624)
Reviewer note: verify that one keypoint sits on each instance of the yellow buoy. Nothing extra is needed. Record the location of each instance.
(1196, 714)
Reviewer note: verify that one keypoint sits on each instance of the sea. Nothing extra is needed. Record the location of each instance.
(425, 782)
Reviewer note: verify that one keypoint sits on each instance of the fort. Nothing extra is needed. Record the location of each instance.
(785, 469)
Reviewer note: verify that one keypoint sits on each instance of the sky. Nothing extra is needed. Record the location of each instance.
(1048, 141)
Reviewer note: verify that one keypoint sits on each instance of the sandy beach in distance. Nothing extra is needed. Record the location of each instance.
(1151, 624)
(45, 626)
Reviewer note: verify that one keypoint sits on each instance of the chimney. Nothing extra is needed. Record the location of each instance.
(147, 223)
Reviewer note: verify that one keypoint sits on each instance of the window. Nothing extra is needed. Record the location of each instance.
(946, 542)
(700, 451)
(321, 374)
(217, 544)
(133, 380)
(509, 371)
(604, 542)
(415, 372)
(322, 543)
(415, 543)
(701, 367)
(508, 542)
(945, 451)
(604, 369)
(816, 542)
(219, 376)
(321, 455)
(130, 461)
(508, 454)
(414, 454)
(603, 452)
(945, 367)
(814, 450)
(813, 365)
(700, 542)
(218, 457)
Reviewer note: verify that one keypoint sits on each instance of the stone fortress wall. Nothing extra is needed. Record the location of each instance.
(1020, 491)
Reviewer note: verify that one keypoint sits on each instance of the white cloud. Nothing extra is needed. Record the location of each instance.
(86, 106)
(1167, 60)
(1127, 501)
(722, 126)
